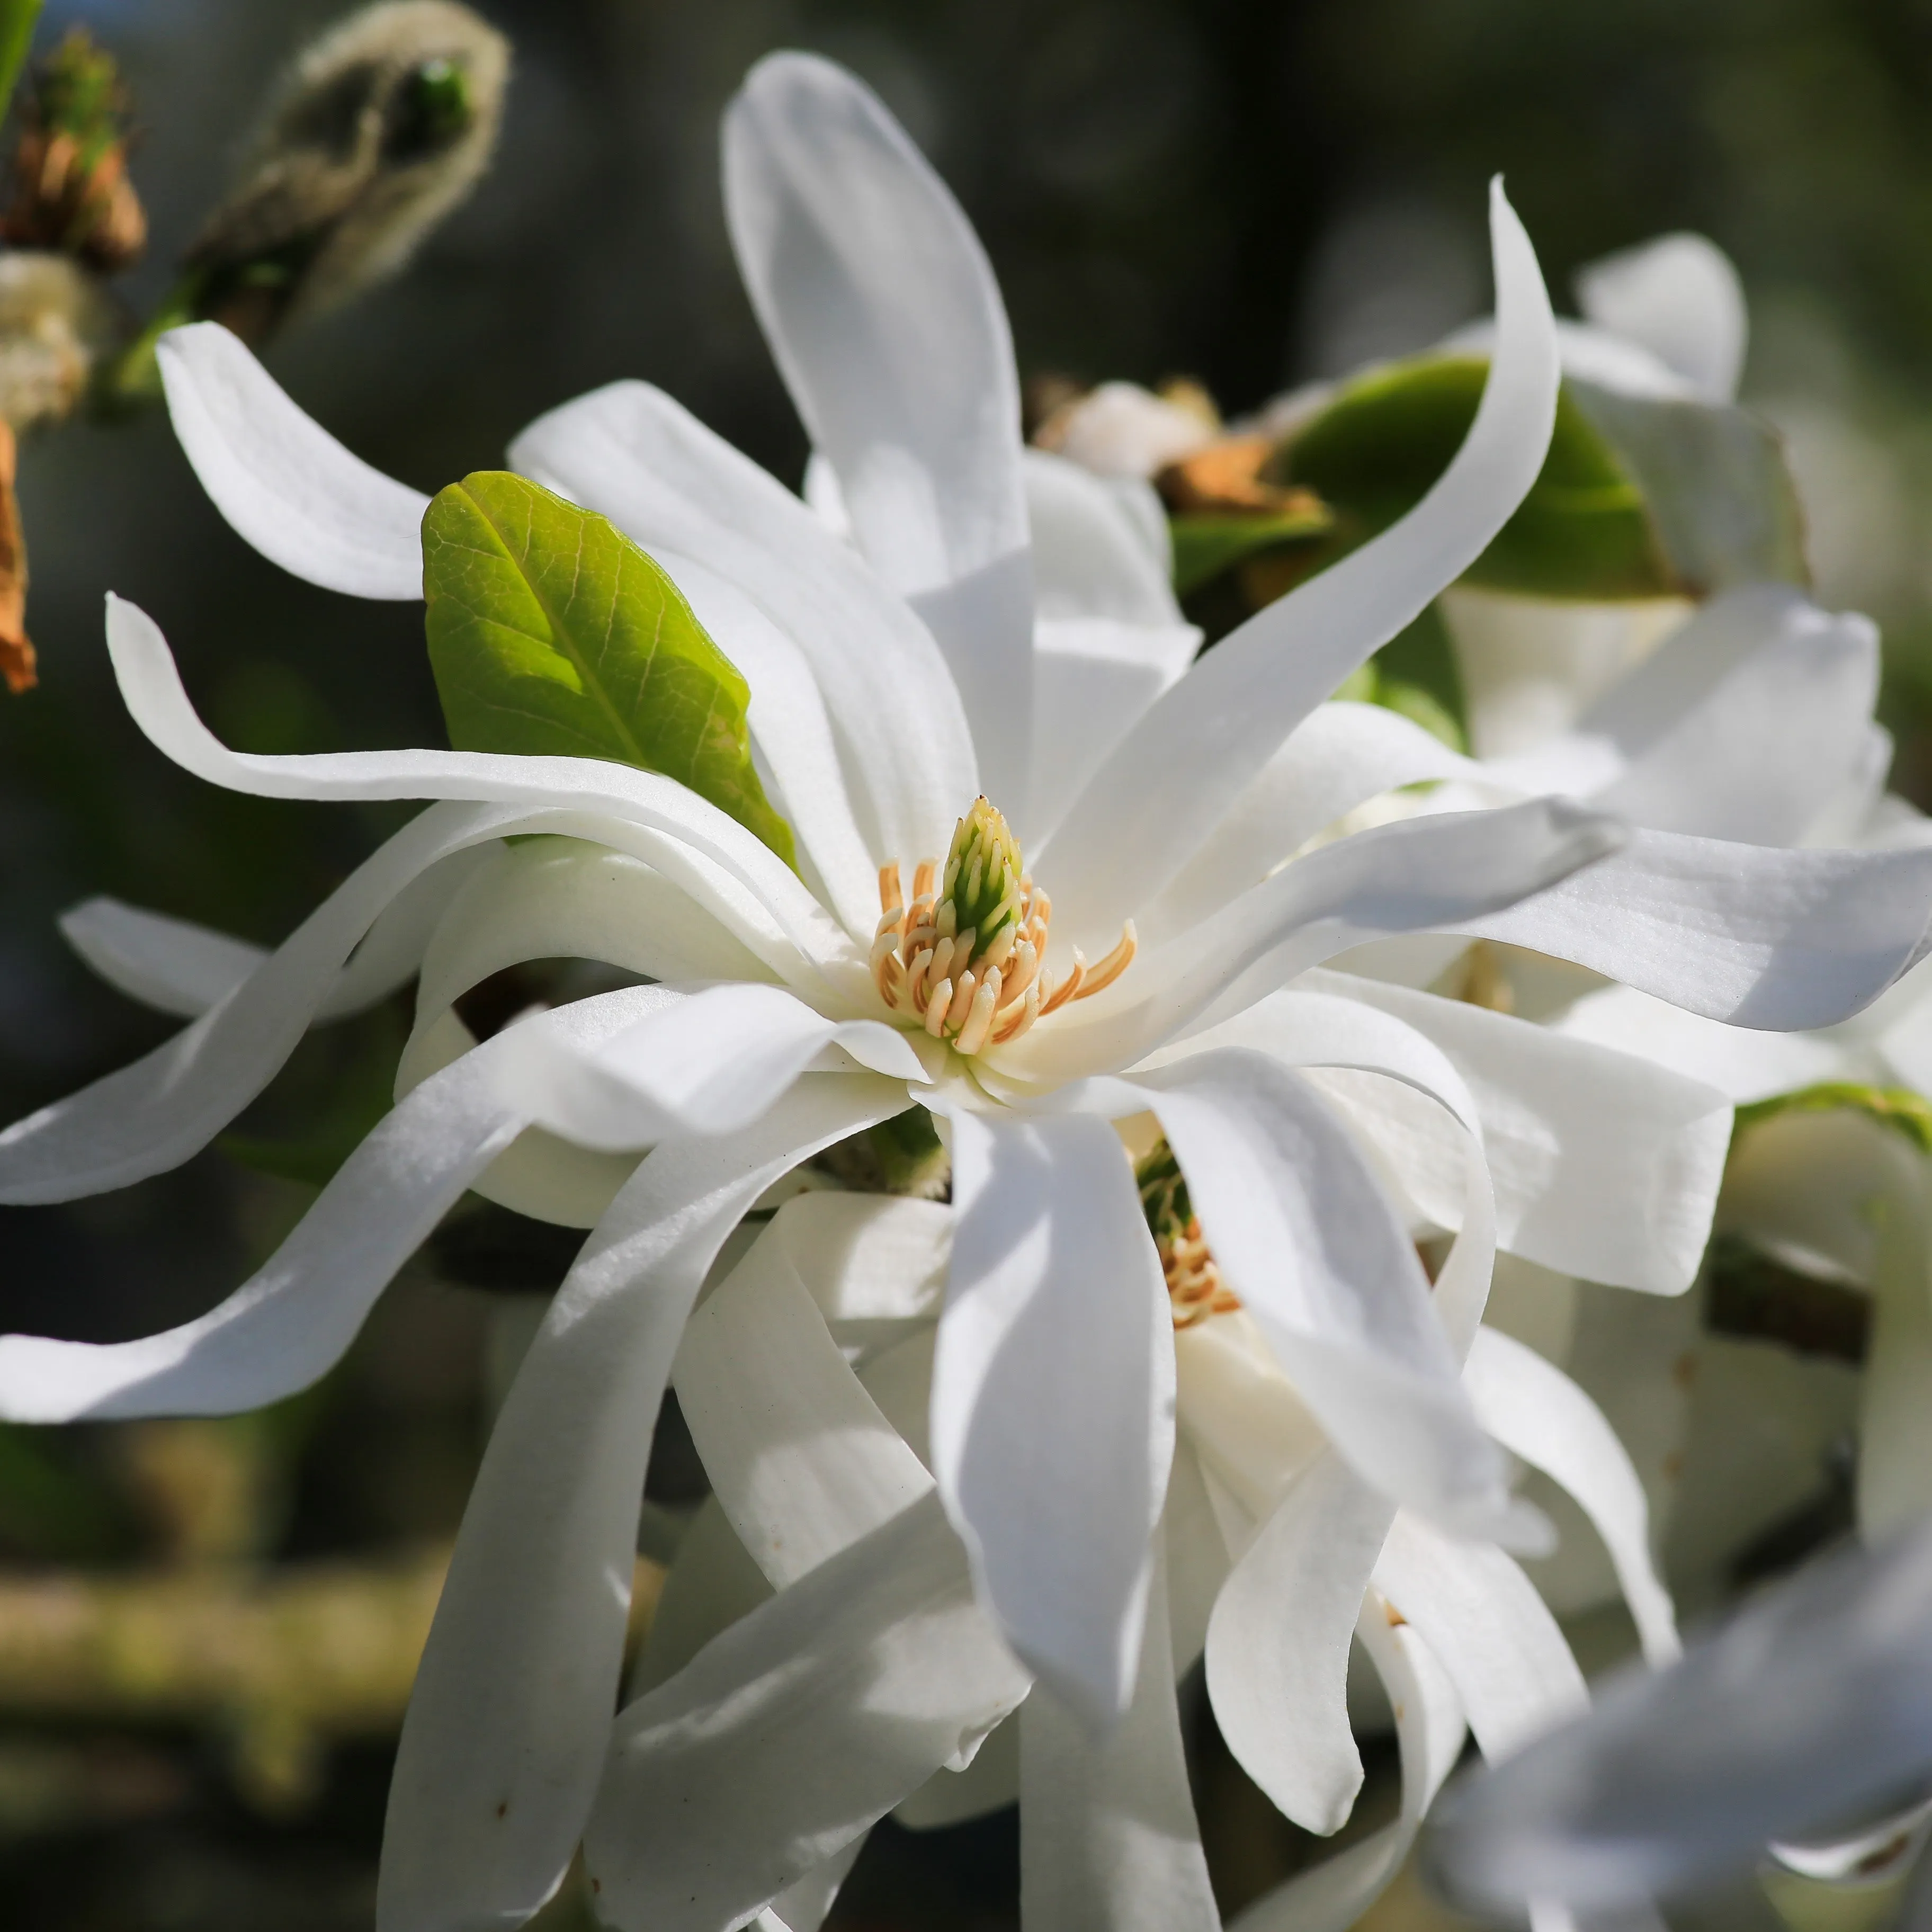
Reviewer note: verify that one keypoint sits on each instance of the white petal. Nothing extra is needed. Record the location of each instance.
(1055, 1353)
(1108, 1837)
(881, 309)
(282, 481)
(681, 825)
(178, 967)
(1744, 725)
(791, 728)
(1604, 1165)
(1812, 1705)
(291, 1320)
(152, 1115)
(171, 965)
(1739, 1064)
(1091, 557)
(1680, 298)
(1306, 1239)
(1278, 1644)
(1124, 432)
(1126, 839)
(710, 1064)
(785, 1737)
(1340, 756)
(1093, 678)
(630, 452)
(1779, 940)
(1490, 1631)
(1536, 1412)
(868, 1257)
(798, 1454)
(1420, 874)
(504, 1736)
(1429, 1732)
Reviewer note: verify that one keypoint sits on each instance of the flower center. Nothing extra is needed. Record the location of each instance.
(1195, 1285)
(965, 958)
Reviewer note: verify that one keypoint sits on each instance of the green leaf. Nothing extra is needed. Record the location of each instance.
(550, 633)
(1205, 545)
(1897, 1107)
(1583, 531)
(17, 21)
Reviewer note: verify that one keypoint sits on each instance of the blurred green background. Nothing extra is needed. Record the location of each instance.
(1248, 193)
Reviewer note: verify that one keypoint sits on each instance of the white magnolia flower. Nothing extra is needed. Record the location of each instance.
(894, 685)
(1272, 1554)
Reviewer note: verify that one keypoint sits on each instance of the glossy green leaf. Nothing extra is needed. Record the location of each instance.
(1583, 531)
(1205, 545)
(1897, 1107)
(550, 633)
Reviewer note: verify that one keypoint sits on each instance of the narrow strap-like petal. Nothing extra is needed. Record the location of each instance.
(1053, 1396)
(504, 1736)
(882, 313)
(789, 1734)
(683, 826)
(1536, 1412)
(281, 480)
(1605, 1165)
(710, 1064)
(1304, 1236)
(1278, 1644)
(1126, 838)
(631, 453)
(289, 1323)
(1783, 940)
(1108, 1837)
(1430, 1731)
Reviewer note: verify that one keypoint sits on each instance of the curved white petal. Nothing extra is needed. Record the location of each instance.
(1680, 298)
(882, 312)
(1305, 1237)
(868, 1258)
(291, 1320)
(504, 1739)
(686, 825)
(1814, 1703)
(1125, 839)
(1741, 1064)
(1107, 1837)
(1055, 1353)
(1782, 940)
(1536, 1412)
(630, 452)
(1430, 1731)
(1496, 1642)
(152, 1115)
(1340, 756)
(1419, 874)
(792, 729)
(179, 967)
(789, 1734)
(1092, 677)
(1745, 724)
(1091, 553)
(282, 481)
(1604, 1165)
(799, 1455)
(711, 1064)
(1278, 1644)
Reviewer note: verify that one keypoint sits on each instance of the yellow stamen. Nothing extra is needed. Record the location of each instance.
(936, 1006)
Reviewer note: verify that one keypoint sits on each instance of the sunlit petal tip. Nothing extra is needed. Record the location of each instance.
(281, 480)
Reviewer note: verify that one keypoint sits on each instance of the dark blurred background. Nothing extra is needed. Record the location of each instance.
(1248, 193)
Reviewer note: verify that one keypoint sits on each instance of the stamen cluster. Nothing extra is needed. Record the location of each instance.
(1195, 1286)
(965, 958)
